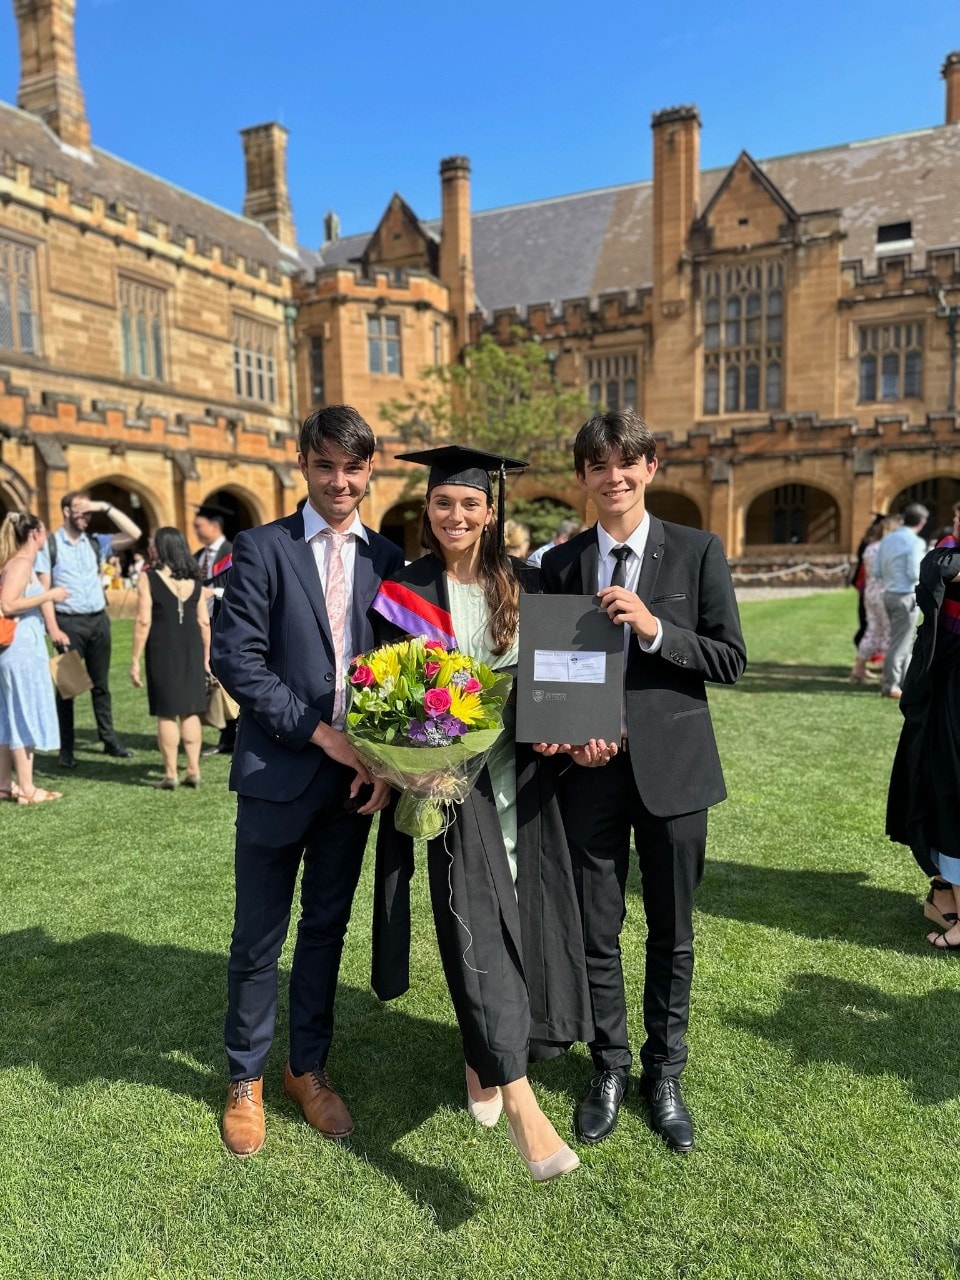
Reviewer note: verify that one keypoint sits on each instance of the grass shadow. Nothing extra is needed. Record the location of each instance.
(827, 1019)
(813, 904)
(799, 677)
(107, 1008)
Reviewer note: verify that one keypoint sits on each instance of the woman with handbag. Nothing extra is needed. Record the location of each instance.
(173, 628)
(28, 712)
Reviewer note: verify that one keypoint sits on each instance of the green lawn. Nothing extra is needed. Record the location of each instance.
(824, 1072)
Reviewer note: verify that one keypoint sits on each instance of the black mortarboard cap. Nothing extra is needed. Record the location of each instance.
(213, 511)
(455, 464)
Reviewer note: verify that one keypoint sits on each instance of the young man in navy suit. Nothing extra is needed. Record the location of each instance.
(670, 588)
(294, 613)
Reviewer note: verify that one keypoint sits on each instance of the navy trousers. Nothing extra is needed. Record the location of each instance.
(272, 841)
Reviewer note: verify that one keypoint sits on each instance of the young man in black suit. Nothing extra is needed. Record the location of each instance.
(670, 588)
(215, 558)
(294, 613)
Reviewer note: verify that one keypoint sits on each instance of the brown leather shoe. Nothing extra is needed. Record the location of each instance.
(323, 1108)
(243, 1126)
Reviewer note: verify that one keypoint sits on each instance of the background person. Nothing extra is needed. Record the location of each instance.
(502, 871)
(173, 627)
(28, 715)
(875, 636)
(923, 802)
(516, 539)
(566, 529)
(215, 559)
(72, 560)
(670, 588)
(294, 613)
(898, 568)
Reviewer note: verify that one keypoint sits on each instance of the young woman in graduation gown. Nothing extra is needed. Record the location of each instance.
(501, 885)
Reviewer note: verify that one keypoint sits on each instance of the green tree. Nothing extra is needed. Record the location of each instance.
(504, 400)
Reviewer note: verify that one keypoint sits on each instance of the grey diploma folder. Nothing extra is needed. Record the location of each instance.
(570, 671)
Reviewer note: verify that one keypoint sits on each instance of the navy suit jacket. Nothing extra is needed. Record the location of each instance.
(272, 650)
(685, 582)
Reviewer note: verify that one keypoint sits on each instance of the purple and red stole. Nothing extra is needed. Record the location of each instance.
(407, 609)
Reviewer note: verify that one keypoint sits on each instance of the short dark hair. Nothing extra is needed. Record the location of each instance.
(342, 425)
(915, 515)
(66, 502)
(174, 554)
(621, 429)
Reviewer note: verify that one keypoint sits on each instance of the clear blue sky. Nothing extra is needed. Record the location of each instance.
(545, 99)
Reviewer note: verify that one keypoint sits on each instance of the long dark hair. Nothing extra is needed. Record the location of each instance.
(500, 586)
(173, 553)
(15, 529)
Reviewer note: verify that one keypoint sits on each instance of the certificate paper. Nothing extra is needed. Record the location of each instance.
(569, 672)
(569, 666)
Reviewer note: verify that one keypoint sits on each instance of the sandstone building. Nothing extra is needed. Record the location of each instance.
(787, 326)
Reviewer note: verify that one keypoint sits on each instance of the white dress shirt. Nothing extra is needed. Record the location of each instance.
(313, 526)
(637, 542)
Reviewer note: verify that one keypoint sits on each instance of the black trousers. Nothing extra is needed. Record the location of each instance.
(89, 637)
(272, 840)
(600, 807)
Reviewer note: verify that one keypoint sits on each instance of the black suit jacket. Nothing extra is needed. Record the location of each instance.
(685, 582)
(273, 651)
(218, 580)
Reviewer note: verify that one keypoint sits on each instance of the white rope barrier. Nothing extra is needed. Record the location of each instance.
(820, 570)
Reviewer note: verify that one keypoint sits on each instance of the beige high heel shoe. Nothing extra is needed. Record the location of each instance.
(562, 1161)
(485, 1113)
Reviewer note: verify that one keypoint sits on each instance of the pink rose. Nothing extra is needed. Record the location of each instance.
(473, 685)
(435, 645)
(436, 701)
(430, 669)
(363, 676)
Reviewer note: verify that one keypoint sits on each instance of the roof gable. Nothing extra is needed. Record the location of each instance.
(401, 240)
(746, 208)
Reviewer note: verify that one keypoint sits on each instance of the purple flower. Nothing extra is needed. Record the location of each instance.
(417, 731)
(452, 726)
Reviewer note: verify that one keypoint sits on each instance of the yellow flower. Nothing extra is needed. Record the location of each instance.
(385, 665)
(465, 706)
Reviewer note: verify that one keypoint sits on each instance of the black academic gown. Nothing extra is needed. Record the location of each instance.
(922, 803)
(514, 959)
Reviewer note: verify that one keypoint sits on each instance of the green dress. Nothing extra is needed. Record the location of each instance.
(468, 608)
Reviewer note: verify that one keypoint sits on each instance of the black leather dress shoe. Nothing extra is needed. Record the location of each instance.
(597, 1115)
(118, 750)
(67, 760)
(668, 1113)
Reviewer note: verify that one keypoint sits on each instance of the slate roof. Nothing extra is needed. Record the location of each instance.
(593, 242)
(25, 138)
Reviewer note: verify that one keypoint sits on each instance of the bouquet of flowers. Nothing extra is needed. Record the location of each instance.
(424, 718)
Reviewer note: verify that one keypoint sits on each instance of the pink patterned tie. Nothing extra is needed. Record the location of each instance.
(335, 597)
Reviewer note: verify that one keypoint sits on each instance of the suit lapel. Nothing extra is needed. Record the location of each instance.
(589, 565)
(300, 555)
(652, 560)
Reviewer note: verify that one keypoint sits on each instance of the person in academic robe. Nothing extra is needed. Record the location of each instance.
(501, 884)
(215, 558)
(923, 803)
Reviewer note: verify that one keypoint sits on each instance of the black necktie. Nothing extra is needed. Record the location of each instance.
(621, 555)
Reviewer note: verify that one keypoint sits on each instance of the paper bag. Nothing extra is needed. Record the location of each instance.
(69, 674)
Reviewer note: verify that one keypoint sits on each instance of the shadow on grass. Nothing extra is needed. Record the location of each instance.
(840, 905)
(93, 765)
(826, 1019)
(105, 1007)
(783, 677)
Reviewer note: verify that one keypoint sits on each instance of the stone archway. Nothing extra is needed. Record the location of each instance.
(793, 514)
(401, 524)
(132, 502)
(15, 493)
(938, 494)
(676, 507)
(240, 513)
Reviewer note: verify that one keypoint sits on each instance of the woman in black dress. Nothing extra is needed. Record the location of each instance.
(173, 626)
(501, 884)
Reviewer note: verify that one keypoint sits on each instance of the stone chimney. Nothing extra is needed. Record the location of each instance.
(456, 242)
(49, 87)
(267, 199)
(951, 73)
(676, 191)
